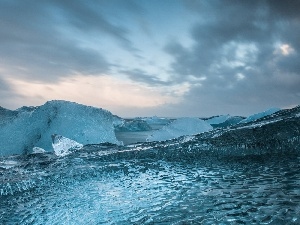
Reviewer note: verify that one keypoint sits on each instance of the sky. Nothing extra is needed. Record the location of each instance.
(152, 57)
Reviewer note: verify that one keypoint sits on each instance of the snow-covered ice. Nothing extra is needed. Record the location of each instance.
(63, 146)
(180, 127)
(33, 126)
(36, 150)
(260, 115)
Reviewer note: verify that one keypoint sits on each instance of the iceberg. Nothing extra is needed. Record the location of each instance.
(217, 119)
(6, 114)
(63, 146)
(30, 127)
(260, 115)
(180, 127)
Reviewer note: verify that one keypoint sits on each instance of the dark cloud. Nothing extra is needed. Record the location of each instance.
(31, 38)
(289, 10)
(87, 17)
(237, 49)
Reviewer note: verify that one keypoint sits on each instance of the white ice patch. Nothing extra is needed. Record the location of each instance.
(188, 138)
(180, 127)
(7, 164)
(63, 146)
(36, 150)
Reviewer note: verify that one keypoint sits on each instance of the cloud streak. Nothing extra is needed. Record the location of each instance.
(33, 37)
(104, 91)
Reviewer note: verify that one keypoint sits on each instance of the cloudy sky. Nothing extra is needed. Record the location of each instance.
(152, 57)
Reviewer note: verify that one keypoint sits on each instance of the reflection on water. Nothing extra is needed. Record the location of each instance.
(88, 190)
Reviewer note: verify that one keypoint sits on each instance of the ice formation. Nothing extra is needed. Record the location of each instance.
(218, 119)
(36, 150)
(63, 146)
(180, 127)
(32, 127)
(246, 173)
(260, 115)
(6, 114)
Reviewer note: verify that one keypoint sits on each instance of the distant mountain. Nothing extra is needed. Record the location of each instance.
(130, 125)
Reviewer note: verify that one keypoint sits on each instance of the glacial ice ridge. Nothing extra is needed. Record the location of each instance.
(180, 127)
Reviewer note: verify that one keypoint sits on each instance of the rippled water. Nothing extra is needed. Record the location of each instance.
(88, 188)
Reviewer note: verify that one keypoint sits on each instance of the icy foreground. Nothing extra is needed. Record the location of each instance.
(180, 127)
(30, 127)
(247, 173)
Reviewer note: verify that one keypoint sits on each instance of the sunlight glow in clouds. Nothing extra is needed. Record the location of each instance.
(282, 49)
(103, 91)
(286, 49)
